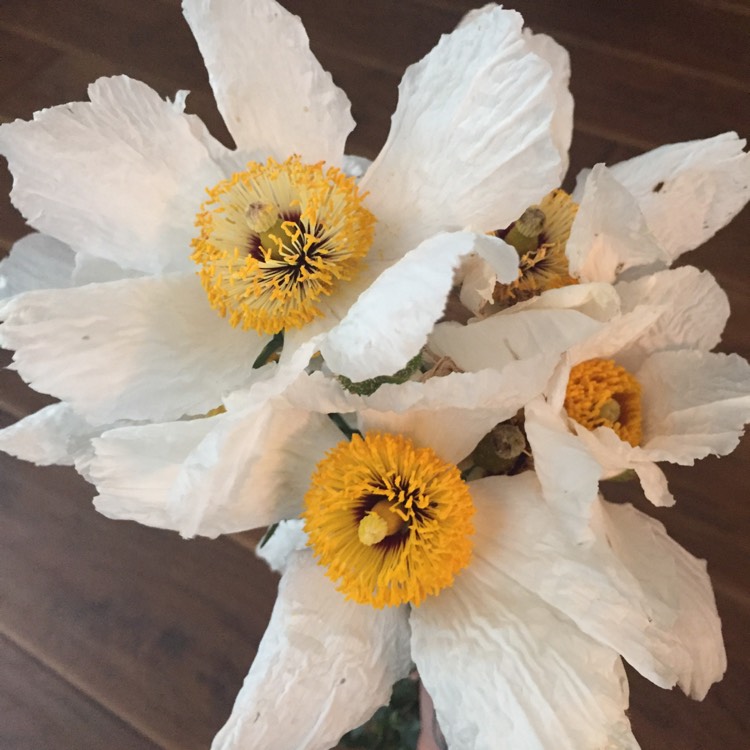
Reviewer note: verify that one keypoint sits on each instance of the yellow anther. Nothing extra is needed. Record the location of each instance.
(600, 393)
(543, 263)
(260, 217)
(610, 410)
(381, 521)
(411, 542)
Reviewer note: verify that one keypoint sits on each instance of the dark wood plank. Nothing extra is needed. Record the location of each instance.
(16, 398)
(22, 59)
(160, 630)
(141, 35)
(41, 711)
(681, 33)
(720, 721)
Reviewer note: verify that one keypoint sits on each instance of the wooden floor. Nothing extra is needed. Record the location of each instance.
(120, 637)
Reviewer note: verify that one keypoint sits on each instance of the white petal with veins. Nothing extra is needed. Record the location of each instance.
(36, 261)
(609, 233)
(480, 97)
(391, 320)
(504, 668)
(688, 191)
(695, 311)
(275, 97)
(323, 667)
(52, 435)
(146, 348)
(120, 177)
(675, 581)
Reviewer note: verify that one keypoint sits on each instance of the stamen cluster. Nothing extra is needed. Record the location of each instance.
(600, 393)
(275, 238)
(426, 512)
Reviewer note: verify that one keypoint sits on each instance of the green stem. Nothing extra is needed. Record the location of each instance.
(269, 533)
(274, 345)
(340, 422)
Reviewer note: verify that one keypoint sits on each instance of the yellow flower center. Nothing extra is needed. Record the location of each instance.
(603, 394)
(539, 236)
(391, 522)
(275, 238)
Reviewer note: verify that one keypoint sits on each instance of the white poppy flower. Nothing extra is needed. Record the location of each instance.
(481, 585)
(357, 271)
(635, 217)
(645, 388)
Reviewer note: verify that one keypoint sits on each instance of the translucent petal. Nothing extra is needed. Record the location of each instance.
(323, 667)
(497, 341)
(481, 97)
(36, 261)
(52, 435)
(676, 582)
(390, 321)
(559, 61)
(695, 311)
(688, 191)
(148, 348)
(585, 581)
(120, 177)
(694, 404)
(505, 669)
(252, 471)
(568, 473)
(274, 96)
(135, 468)
(609, 234)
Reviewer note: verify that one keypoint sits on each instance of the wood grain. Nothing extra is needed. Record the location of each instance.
(118, 636)
(70, 719)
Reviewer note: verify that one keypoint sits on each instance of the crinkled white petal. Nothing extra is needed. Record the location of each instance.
(620, 333)
(492, 261)
(451, 433)
(252, 471)
(596, 300)
(616, 456)
(281, 542)
(36, 261)
(92, 270)
(275, 97)
(695, 311)
(134, 468)
(505, 391)
(55, 434)
(120, 177)
(559, 61)
(694, 404)
(480, 98)
(677, 583)
(557, 435)
(477, 280)
(585, 581)
(688, 191)
(609, 233)
(505, 669)
(323, 667)
(568, 473)
(448, 414)
(497, 341)
(147, 348)
(391, 320)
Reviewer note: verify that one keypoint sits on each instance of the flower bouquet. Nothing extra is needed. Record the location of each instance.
(419, 373)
